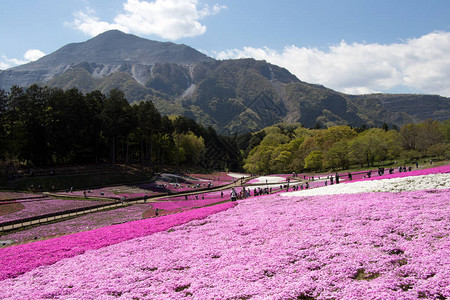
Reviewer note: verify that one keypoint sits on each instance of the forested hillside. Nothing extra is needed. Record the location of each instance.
(286, 148)
(43, 126)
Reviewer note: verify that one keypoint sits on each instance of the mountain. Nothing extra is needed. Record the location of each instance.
(106, 53)
(233, 96)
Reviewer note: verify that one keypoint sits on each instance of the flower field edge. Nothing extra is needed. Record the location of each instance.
(19, 259)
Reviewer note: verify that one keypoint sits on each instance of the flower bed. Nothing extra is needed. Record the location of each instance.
(7, 196)
(377, 245)
(120, 215)
(81, 223)
(181, 202)
(221, 177)
(113, 192)
(365, 246)
(41, 206)
(16, 260)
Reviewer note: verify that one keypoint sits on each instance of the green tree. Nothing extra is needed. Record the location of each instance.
(327, 137)
(3, 120)
(192, 147)
(445, 129)
(429, 134)
(118, 119)
(282, 161)
(95, 102)
(339, 155)
(375, 144)
(297, 162)
(313, 161)
(274, 139)
(259, 160)
(271, 155)
(149, 120)
(365, 147)
(408, 135)
(410, 155)
(440, 150)
(70, 129)
(165, 145)
(391, 147)
(28, 120)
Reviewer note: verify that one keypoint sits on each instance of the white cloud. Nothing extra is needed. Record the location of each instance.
(419, 64)
(170, 19)
(30, 55)
(89, 23)
(6, 63)
(33, 54)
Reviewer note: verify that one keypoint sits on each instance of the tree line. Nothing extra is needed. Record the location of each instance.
(43, 126)
(285, 148)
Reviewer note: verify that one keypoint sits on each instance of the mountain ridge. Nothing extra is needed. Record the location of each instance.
(231, 95)
(115, 47)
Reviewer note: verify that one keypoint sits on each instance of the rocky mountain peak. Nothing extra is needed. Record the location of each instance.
(115, 48)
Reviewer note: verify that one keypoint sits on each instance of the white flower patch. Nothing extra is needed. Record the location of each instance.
(412, 183)
(269, 179)
(237, 175)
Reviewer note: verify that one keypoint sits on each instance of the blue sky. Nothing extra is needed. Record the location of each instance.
(353, 46)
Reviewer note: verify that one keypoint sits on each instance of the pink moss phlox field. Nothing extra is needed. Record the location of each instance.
(81, 223)
(16, 260)
(349, 246)
(218, 177)
(17, 196)
(105, 193)
(41, 206)
(180, 202)
(120, 215)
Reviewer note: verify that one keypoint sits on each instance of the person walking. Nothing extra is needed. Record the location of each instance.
(233, 195)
